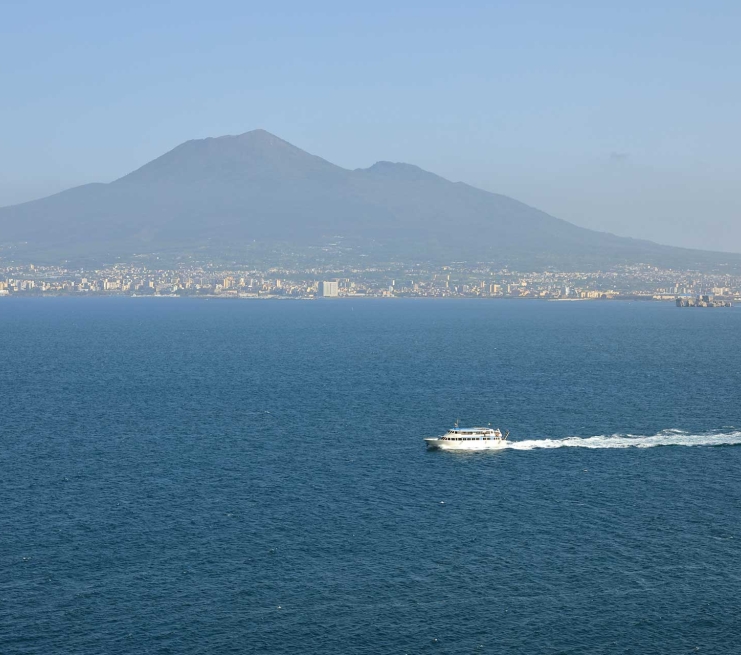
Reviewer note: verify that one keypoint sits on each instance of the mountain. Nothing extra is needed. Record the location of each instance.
(232, 193)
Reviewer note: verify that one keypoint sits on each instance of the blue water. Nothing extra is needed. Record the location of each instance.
(249, 477)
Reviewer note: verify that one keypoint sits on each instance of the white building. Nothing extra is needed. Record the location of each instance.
(328, 289)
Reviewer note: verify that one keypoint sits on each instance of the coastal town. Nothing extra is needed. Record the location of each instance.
(457, 280)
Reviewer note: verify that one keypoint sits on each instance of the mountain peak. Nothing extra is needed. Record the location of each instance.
(229, 157)
(254, 139)
(257, 136)
(259, 132)
(400, 171)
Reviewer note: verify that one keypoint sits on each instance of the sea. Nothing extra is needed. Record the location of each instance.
(191, 476)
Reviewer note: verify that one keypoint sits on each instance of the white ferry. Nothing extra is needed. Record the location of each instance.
(469, 439)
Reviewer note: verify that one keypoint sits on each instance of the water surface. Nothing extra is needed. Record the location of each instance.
(230, 477)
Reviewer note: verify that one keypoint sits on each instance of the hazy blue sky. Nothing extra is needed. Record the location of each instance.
(622, 118)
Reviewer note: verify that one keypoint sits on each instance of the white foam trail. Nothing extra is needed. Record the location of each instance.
(664, 438)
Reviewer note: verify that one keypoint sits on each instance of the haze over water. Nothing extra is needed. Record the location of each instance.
(210, 476)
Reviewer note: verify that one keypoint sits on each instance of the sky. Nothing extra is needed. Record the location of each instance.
(619, 116)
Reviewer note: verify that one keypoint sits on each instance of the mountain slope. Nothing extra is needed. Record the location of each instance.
(221, 194)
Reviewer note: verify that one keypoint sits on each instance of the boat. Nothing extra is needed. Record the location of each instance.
(458, 438)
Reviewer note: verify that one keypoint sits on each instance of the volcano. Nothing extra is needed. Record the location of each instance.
(226, 194)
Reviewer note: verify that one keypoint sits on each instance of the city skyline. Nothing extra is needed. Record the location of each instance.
(206, 279)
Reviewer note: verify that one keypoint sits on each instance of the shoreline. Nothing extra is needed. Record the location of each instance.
(99, 296)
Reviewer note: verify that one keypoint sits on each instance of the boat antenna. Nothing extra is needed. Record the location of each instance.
(456, 422)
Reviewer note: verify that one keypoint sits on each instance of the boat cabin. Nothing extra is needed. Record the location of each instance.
(472, 434)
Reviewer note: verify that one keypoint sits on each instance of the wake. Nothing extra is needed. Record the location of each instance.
(663, 438)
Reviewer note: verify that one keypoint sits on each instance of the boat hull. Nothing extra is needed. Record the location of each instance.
(467, 446)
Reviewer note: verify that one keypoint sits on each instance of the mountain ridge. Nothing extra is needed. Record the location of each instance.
(224, 193)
